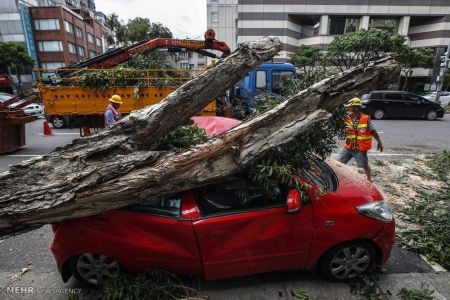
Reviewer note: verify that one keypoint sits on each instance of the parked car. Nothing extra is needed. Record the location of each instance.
(34, 109)
(444, 98)
(5, 96)
(210, 231)
(399, 104)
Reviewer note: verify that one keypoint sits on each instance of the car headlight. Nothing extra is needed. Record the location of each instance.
(376, 210)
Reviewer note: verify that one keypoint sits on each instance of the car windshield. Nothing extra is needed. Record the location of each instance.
(365, 97)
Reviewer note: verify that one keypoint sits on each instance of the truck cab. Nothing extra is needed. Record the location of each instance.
(267, 78)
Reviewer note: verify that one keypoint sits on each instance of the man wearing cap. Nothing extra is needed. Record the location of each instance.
(112, 114)
(359, 131)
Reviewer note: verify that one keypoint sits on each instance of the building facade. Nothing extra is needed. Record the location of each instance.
(63, 37)
(423, 23)
(55, 33)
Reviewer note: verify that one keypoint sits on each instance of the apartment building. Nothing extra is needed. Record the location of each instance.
(64, 37)
(55, 33)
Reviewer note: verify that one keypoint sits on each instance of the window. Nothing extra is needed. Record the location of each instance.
(393, 96)
(53, 65)
(98, 42)
(68, 26)
(46, 24)
(81, 51)
(342, 25)
(411, 97)
(390, 25)
(236, 194)
(50, 46)
(280, 79)
(79, 32)
(72, 48)
(165, 206)
(261, 82)
(90, 38)
(214, 17)
(376, 96)
(92, 54)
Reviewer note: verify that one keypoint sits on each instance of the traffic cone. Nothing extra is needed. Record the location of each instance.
(85, 130)
(47, 130)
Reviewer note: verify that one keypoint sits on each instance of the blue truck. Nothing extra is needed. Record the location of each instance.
(268, 78)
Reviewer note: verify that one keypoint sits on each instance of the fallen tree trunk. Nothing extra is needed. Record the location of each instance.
(114, 169)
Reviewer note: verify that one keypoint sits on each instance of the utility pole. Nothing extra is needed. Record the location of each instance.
(445, 60)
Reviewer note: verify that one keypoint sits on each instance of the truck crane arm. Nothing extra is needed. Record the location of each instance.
(113, 58)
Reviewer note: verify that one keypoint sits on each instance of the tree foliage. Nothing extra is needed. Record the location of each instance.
(410, 58)
(135, 30)
(15, 56)
(311, 62)
(351, 49)
(307, 57)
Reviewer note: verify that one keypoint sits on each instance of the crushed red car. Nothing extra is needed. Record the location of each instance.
(210, 231)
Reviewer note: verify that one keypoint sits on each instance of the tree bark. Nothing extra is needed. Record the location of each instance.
(113, 168)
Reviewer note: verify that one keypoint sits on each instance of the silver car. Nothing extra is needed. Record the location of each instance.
(444, 99)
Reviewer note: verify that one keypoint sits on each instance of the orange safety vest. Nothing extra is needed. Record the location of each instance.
(360, 138)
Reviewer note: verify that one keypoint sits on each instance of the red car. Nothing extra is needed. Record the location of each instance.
(211, 231)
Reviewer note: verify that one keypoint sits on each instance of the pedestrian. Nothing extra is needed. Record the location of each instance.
(359, 131)
(112, 114)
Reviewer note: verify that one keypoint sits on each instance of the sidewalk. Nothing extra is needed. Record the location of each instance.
(317, 288)
(277, 285)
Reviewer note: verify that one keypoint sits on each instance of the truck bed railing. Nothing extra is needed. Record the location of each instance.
(93, 78)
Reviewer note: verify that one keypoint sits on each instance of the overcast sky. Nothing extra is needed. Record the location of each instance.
(185, 18)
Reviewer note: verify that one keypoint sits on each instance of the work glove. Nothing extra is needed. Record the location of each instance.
(380, 147)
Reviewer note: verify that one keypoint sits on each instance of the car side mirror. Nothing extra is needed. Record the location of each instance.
(294, 202)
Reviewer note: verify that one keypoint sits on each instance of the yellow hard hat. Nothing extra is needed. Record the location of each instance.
(354, 102)
(115, 99)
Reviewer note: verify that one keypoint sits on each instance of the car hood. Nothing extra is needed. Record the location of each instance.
(353, 188)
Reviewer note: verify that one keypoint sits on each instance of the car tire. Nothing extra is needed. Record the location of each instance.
(379, 114)
(347, 261)
(94, 269)
(58, 122)
(431, 115)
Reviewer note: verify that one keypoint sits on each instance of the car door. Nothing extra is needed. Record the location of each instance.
(415, 106)
(392, 104)
(239, 237)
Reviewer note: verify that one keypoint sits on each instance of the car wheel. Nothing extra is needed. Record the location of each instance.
(94, 269)
(431, 115)
(58, 122)
(379, 114)
(347, 261)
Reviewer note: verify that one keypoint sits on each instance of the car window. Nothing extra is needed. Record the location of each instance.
(376, 96)
(321, 175)
(236, 194)
(393, 96)
(163, 206)
(411, 97)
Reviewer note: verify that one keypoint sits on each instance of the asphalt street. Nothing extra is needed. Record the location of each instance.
(31, 250)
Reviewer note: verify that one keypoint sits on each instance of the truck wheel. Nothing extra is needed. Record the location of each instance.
(58, 122)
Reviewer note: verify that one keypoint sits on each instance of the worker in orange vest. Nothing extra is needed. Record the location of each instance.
(359, 131)
(112, 114)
